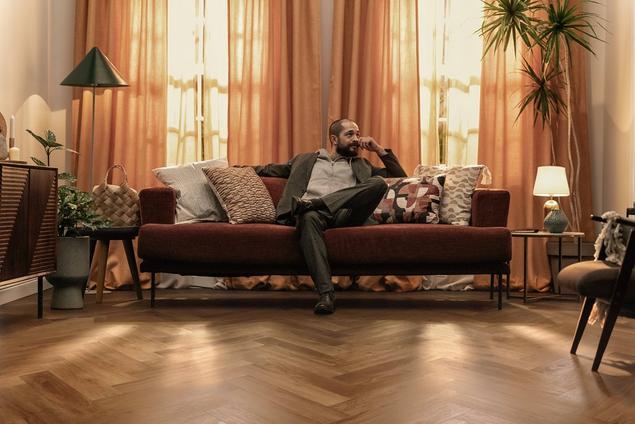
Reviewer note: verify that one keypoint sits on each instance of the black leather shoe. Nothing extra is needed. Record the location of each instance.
(326, 304)
(300, 206)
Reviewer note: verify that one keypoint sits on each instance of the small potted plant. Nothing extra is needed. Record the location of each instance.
(75, 215)
(50, 145)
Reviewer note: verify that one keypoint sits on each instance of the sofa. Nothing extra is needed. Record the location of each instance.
(225, 250)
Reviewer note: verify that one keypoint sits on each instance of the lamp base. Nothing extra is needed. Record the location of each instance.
(556, 221)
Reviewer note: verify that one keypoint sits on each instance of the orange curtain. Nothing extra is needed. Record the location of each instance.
(274, 80)
(514, 150)
(374, 76)
(130, 122)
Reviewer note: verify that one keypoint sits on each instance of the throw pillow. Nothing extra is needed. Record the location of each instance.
(242, 194)
(410, 200)
(460, 183)
(195, 200)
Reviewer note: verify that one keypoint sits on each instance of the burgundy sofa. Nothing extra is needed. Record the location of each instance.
(222, 249)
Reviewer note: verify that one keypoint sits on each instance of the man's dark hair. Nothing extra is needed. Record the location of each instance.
(336, 126)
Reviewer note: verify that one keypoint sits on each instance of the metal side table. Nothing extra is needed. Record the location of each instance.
(526, 235)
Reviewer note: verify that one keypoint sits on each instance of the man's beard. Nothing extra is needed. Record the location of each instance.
(347, 151)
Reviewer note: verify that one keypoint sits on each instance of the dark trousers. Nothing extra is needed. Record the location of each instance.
(345, 208)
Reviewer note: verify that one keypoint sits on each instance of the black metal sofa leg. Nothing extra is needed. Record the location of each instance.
(500, 291)
(587, 306)
(507, 285)
(491, 286)
(152, 290)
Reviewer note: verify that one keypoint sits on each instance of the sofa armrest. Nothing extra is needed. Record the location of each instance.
(157, 205)
(490, 208)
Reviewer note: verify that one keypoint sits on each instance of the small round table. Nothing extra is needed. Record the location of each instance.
(103, 236)
(527, 234)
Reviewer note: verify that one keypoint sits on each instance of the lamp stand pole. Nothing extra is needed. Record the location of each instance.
(92, 147)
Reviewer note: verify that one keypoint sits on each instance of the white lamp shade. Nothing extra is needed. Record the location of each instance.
(551, 181)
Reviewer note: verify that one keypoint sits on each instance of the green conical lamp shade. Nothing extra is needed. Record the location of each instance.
(95, 70)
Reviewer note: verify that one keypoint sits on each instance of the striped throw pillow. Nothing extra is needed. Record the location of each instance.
(242, 195)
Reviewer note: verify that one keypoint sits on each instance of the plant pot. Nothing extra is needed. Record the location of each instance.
(73, 267)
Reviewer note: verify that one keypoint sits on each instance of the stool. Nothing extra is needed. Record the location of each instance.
(103, 236)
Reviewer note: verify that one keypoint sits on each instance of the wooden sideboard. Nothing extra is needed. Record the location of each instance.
(28, 223)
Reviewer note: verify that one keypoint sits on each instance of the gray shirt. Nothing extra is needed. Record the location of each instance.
(330, 175)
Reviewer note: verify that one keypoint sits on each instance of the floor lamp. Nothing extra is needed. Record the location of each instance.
(95, 70)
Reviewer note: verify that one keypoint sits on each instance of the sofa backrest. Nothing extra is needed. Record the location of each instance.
(275, 187)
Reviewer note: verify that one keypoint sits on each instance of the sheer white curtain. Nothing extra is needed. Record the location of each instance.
(197, 80)
(449, 80)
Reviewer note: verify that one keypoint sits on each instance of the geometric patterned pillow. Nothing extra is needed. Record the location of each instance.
(413, 200)
(460, 183)
(242, 194)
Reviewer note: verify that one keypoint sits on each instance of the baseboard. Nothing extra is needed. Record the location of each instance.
(20, 289)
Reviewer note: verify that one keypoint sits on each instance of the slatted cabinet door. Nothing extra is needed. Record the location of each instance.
(42, 220)
(28, 215)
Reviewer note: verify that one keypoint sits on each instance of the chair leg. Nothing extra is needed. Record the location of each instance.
(609, 323)
(152, 289)
(491, 286)
(587, 306)
(500, 291)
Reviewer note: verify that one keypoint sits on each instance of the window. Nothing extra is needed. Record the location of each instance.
(449, 76)
(197, 80)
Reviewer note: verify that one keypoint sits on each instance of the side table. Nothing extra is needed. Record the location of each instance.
(103, 236)
(526, 235)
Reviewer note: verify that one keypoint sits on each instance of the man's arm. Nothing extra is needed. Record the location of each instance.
(281, 170)
(392, 167)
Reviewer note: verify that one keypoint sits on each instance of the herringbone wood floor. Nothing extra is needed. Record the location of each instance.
(265, 358)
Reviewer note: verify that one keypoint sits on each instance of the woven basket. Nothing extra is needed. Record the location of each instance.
(118, 203)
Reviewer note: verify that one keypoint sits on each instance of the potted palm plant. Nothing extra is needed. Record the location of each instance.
(548, 30)
(75, 214)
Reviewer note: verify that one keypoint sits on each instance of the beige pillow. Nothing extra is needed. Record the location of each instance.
(460, 183)
(242, 194)
(195, 200)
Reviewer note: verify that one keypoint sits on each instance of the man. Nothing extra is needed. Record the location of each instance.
(331, 190)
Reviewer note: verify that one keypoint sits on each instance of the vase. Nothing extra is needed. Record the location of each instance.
(556, 221)
(72, 271)
(4, 149)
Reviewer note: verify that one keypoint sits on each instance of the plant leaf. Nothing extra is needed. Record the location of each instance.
(40, 140)
(37, 161)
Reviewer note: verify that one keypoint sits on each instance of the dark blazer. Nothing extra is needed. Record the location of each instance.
(298, 172)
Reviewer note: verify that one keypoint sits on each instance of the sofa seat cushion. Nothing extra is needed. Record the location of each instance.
(274, 245)
(418, 243)
(221, 243)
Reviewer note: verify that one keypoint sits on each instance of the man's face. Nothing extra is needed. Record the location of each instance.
(347, 142)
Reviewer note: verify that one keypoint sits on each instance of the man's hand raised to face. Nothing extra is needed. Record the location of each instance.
(369, 143)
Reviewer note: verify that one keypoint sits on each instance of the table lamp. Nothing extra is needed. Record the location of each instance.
(95, 70)
(551, 181)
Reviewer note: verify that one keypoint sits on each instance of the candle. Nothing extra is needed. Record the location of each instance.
(12, 127)
(14, 153)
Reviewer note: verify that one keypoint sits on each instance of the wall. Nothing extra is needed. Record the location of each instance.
(36, 41)
(611, 102)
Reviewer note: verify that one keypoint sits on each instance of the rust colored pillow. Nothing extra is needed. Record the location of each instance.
(242, 194)
(410, 200)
